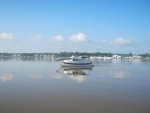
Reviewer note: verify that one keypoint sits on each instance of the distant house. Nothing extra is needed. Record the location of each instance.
(136, 57)
(116, 57)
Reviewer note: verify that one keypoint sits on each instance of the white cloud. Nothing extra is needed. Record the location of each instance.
(8, 36)
(36, 37)
(117, 45)
(58, 38)
(117, 41)
(122, 41)
(79, 37)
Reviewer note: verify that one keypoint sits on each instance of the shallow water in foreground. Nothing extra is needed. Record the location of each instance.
(111, 86)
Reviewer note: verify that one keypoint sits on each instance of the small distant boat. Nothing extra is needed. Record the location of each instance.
(76, 62)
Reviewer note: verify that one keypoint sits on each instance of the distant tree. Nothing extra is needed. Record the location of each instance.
(61, 54)
(145, 55)
(130, 54)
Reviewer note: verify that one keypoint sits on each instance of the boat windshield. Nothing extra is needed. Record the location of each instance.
(75, 59)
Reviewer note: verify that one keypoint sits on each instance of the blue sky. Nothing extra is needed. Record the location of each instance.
(117, 26)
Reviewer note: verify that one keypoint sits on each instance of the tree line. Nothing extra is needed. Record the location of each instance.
(86, 54)
(67, 54)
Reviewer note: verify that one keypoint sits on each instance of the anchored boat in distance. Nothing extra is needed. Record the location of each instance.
(75, 61)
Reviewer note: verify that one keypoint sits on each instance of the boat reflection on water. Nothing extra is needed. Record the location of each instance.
(76, 70)
(78, 74)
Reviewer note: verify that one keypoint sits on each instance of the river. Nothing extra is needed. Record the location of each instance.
(42, 86)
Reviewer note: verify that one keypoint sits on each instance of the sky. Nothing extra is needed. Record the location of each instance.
(39, 26)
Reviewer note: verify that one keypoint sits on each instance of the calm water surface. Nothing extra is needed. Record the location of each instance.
(111, 86)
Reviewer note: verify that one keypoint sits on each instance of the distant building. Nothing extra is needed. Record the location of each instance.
(116, 57)
(136, 57)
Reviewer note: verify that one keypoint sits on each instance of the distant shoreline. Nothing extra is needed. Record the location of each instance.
(94, 55)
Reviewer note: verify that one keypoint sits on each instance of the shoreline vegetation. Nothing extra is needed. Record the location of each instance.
(62, 55)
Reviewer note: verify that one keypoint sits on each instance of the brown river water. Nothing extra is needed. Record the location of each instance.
(42, 86)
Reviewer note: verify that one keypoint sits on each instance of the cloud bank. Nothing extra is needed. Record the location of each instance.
(117, 41)
(58, 38)
(57, 43)
(79, 37)
(7, 36)
(122, 41)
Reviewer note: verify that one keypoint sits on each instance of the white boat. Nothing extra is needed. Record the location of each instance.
(76, 62)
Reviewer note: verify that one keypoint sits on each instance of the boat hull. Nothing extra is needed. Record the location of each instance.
(64, 64)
